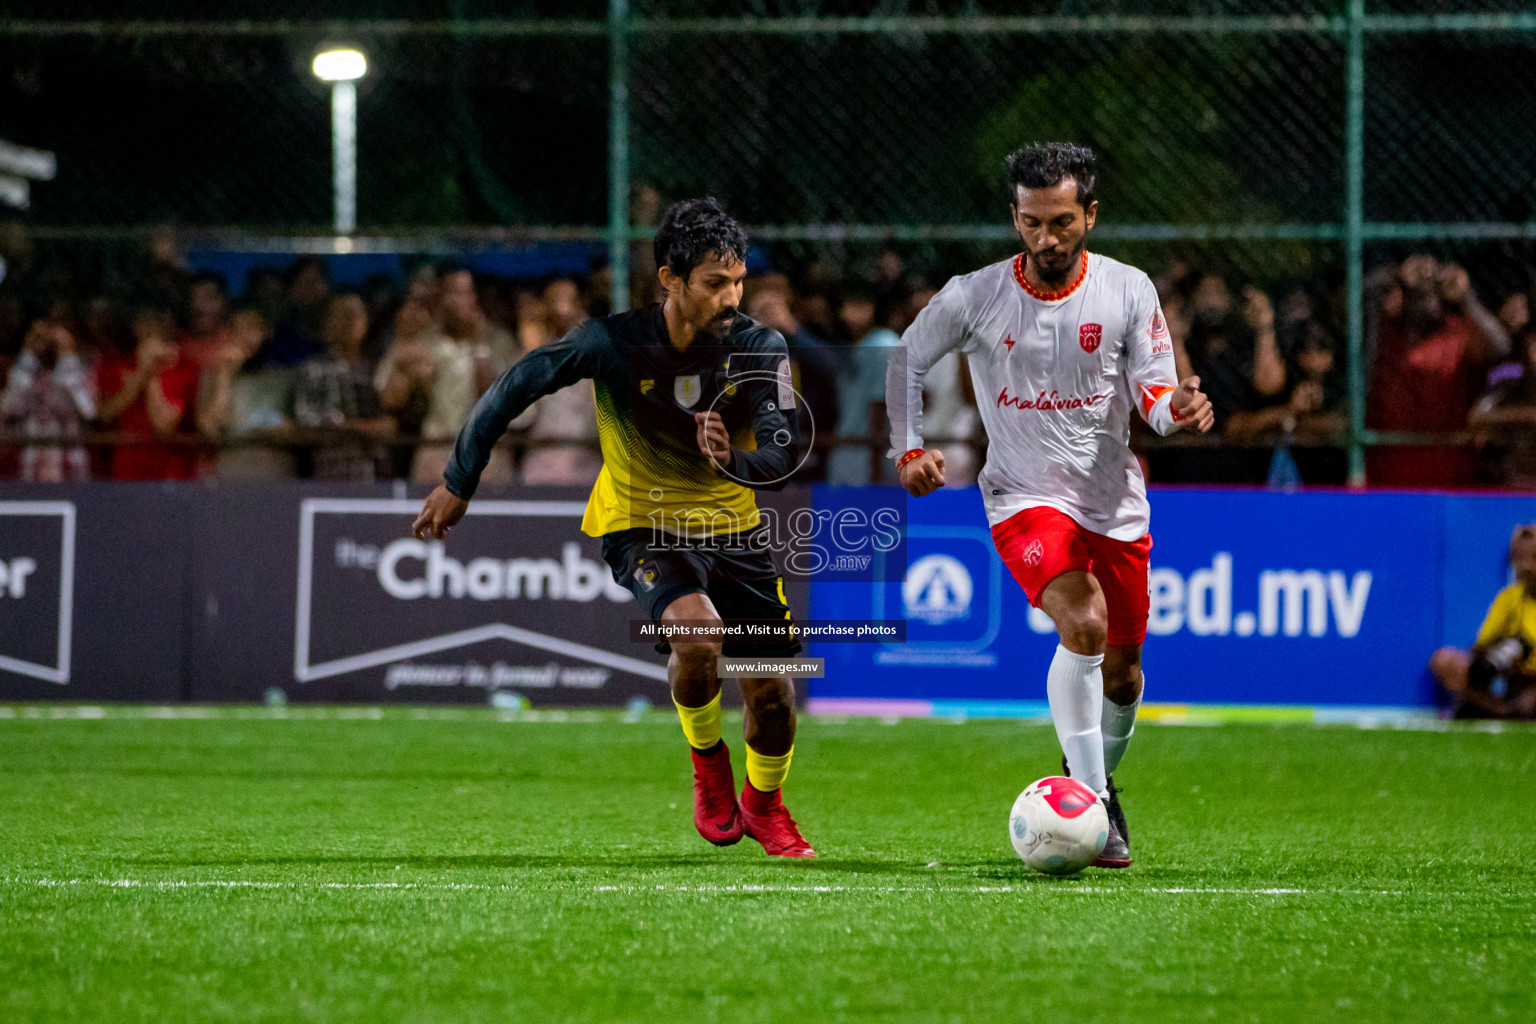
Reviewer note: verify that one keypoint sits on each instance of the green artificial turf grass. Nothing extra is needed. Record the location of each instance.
(549, 871)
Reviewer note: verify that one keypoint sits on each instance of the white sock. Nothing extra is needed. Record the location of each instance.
(1075, 688)
(1118, 725)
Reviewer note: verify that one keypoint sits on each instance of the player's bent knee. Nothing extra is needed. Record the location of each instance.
(1449, 666)
(1085, 630)
(768, 692)
(1447, 658)
(696, 657)
(696, 650)
(769, 702)
(1448, 661)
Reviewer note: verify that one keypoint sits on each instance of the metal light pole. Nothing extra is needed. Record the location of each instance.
(342, 68)
(618, 152)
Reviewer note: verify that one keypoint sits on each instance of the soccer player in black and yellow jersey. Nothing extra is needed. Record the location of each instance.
(692, 413)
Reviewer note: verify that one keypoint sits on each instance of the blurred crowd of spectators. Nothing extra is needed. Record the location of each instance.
(172, 377)
(164, 374)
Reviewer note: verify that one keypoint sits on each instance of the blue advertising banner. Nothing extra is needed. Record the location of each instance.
(176, 592)
(1256, 597)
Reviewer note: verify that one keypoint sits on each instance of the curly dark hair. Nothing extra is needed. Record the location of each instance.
(1047, 164)
(692, 231)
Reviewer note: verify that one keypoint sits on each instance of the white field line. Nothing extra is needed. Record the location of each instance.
(588, 716)
(724, 890)
(219, 883)
(301, 713)
(986, 889)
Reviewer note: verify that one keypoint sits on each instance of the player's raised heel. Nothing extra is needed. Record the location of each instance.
(768, 821)
(715, 813)
(1116, 815)
(1116, 853)
(1117, 849)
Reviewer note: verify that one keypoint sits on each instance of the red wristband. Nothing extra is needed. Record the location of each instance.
(914, 453)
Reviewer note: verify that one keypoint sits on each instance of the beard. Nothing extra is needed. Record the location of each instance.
(1056, 271)
(720, 326)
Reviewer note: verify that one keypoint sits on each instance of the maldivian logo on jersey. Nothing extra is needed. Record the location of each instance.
(686, 390)
(1089, 336)
(1053, 402)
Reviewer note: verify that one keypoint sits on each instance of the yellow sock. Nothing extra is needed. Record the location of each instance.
(767, 773)
(701, 726)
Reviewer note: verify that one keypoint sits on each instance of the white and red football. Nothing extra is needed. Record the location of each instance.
(1058, 825)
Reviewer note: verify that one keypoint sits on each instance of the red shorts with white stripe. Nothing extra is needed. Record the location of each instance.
(1039, 544)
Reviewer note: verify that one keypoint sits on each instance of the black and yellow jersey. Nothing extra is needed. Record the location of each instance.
(1513, 613)
(654, 476)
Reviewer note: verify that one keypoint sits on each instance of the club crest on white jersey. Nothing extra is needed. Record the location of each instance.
(1056, 376)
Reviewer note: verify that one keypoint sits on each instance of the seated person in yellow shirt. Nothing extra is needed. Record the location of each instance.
(1497, 677)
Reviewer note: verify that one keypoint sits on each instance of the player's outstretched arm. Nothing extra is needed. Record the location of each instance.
(575, 357)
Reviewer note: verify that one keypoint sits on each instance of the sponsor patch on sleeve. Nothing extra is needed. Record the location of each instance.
(1159, 327)
(786, 385)
(1150, 395)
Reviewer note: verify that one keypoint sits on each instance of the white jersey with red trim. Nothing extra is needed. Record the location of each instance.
(1055, 374)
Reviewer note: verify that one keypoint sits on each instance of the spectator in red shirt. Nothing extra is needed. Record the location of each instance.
(150, 395)
(207, 333)
(1434, 344)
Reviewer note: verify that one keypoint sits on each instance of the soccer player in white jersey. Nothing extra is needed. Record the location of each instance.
(1061, 343)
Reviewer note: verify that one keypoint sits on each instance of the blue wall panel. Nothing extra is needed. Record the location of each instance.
(1257, 597)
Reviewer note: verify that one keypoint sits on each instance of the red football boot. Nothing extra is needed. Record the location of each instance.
(715, 813)
(767, 821)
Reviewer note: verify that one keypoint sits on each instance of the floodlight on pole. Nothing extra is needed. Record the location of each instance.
(342, 68)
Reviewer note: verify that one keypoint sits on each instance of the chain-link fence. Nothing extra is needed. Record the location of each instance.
(1296, 148)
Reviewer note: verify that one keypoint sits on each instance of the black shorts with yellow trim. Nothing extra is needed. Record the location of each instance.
(737, 575)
